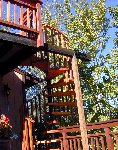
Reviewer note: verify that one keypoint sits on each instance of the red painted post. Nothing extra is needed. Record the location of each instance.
(109, 140)
(39, 26)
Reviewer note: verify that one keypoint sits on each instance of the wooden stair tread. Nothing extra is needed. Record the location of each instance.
(62, 104)
(61, 82)
(54, 122)
(42, 65)
(47, 141)
(55, 72)
(58, 94)
(61, 113)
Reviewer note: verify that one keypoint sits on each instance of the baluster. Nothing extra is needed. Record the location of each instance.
(21, 15)
(97, 143)
(92, 143)
(54, 60)
(102, 143)
(57, 38)
(66, 76)
(52, 37)
(28, 18)
(75, 146)
(67, 43)
(79, 145)
(62, 41)
(8, 11)
(71, 146)
(1, 8)
(14, 13)
(34, 19)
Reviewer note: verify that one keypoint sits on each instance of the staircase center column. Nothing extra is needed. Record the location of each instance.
(82, 122)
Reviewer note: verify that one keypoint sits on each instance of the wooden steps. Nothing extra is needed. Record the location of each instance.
(61, 82)
(62, 104)
(61, 113)
(42, 65)
(58, 94)
(54, 122)
(55, 72)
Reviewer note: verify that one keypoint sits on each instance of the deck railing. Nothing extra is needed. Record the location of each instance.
(24, 16)
(100, 136)
(55, 38)
(103, 139)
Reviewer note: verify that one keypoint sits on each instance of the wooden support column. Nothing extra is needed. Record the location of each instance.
(109, 140)
(80, 104)
(65, 142)
(39, 26)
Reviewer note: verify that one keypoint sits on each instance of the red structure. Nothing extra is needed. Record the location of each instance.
(28, 42)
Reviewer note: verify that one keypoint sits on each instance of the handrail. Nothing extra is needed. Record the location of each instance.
(54, 37)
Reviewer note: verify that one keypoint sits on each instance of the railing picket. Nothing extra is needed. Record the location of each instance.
(97, 143)
(102, 142)
(92, 143)
(21, 15)
(14, 13)
(71, 146)
(1, 8)
(34, 19)
(79, 145)
(8, 11)
(28, 18)
(75, 146)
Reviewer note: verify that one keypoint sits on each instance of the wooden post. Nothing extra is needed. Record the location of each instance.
(109, 140)
(39, 26)
(65, 142)
(80, 104)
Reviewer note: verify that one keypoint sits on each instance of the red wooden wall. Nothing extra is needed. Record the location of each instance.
(12, 105)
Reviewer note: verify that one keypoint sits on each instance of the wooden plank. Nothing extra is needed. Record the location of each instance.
(102, 142)
(8, 11)
(62, 104)
(55, 72)
(61, 82)
(61, 113)
(15, 13)
(28, 18)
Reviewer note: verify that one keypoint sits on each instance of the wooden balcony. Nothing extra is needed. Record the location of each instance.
(18, 40)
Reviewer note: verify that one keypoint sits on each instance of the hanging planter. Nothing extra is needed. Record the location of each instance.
(5, 133)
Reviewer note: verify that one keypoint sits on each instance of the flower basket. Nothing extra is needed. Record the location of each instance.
(5, 128)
